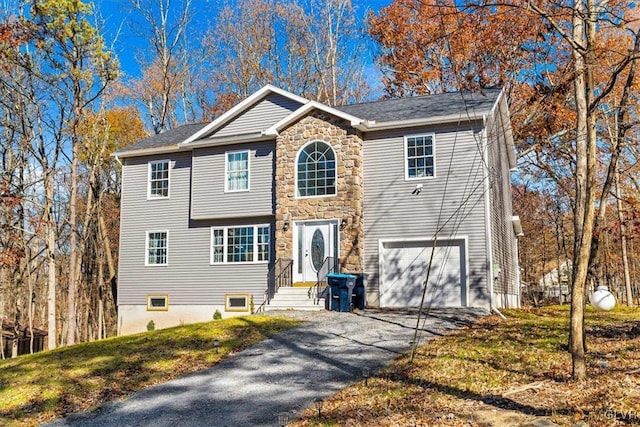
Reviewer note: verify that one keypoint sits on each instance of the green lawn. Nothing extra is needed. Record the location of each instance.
(40, 387)
(503, 372)
(499, 371)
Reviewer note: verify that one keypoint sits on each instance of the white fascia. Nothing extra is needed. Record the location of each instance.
(314, 105)
(146, 151)
(227, 140)
(398, 124)
(241, 107)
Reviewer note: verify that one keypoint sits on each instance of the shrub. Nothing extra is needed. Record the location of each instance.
(151, 326)
(217, 315)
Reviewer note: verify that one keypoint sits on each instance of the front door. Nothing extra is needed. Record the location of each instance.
(314, 242)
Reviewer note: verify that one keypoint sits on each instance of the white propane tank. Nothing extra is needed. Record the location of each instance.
(602, 299)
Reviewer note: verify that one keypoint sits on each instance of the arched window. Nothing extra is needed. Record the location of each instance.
(316, 170)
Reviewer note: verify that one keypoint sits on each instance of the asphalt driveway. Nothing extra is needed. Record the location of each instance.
(283, 374)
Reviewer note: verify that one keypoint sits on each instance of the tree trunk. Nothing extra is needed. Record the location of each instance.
(73, 247)
(31, 299)
(16, 335)
(50, 246)
(584, 208)
(623, 243)
(110, 262)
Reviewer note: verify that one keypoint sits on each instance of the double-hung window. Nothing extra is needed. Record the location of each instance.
(157, 248)
(419, 156)
(240, 244)
(237, 171)
(159, 179)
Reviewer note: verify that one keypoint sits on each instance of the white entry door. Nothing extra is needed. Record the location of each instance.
(314, 242)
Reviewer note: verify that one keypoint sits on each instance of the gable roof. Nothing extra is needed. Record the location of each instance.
(306, 108)
(385, 114)
(242, 106)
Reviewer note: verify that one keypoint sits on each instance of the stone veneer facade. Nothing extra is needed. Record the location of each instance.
(347, 204)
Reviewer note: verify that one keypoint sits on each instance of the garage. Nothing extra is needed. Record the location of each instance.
(404, 267)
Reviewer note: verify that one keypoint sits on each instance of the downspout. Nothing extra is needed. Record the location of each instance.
(119, 318)
(487, 216)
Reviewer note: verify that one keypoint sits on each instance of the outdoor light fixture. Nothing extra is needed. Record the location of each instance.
(216, 345)
(285, 218)
(418, 189)
(343, 224)
(283, 419)
(318, 402)
(366, 373)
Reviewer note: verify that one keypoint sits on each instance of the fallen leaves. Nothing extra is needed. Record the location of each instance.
(502, 372)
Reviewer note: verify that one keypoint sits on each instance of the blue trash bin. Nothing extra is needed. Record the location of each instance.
(340, 290)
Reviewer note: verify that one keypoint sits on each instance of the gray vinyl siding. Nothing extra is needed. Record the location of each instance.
(188, 278)
(209, 199)
(503, 243)
(453, 200)
(261, 116)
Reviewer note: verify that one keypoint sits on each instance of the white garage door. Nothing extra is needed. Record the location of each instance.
(404, 269)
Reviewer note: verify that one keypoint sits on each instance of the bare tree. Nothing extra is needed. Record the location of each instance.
(311, 48)
(164, 26)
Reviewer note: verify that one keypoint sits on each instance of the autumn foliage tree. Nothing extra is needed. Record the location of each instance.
(51, 74)
(565, 65)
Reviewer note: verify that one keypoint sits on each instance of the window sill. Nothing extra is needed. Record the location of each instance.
(420, 178)
(324, 196)
(240, 263)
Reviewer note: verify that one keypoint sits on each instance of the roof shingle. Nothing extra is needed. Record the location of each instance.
(166, 138)
(420, 107)
(462, 104)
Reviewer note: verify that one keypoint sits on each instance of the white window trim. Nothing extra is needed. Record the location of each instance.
(335, 156)
(166, 302)
(169, 167)
(225, 240)
(406, 156)
(146, 248)
(226, 171)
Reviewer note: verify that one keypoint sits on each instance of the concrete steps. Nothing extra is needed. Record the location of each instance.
(294, 298)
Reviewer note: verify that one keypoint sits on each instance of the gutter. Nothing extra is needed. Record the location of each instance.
(147, 151)
(187, 146)
(226, 140)
(370, 125)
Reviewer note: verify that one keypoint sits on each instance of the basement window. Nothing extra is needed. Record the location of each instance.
(157, 302)
(236, 302)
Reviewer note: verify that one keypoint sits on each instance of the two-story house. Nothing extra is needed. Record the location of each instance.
(212, 212)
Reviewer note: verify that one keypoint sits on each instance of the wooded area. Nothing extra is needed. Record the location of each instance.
(64, 108)
(569, 68)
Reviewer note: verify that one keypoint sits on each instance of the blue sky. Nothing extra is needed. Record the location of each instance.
(119, 22)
